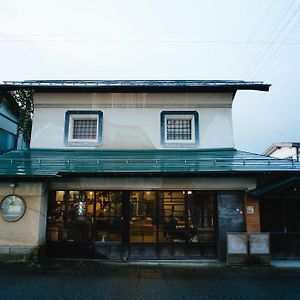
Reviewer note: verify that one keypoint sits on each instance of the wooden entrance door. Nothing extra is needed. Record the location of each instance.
(281, 217)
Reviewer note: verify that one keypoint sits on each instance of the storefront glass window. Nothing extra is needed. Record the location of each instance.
(143, 217)
(83, 216)
(153, 223)
(172, 217)
(108, 217)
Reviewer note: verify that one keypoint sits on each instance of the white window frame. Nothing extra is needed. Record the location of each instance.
(71, 116)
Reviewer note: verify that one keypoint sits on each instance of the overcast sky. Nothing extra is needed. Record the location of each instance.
(166, 39)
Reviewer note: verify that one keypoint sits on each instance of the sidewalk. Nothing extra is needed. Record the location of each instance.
(174, 280)
(285, 263)
(96, 266)
(88, 265)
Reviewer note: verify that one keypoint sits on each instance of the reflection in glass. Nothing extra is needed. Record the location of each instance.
(183, 218)
(172, 217)
(201, 217)
(143, 217)
(108, 219)
(85, 215)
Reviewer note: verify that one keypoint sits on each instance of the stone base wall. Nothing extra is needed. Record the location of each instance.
(19, 253)
(22, 239)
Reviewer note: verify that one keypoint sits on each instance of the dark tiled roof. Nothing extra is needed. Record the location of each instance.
(170, 162)
(135, 85)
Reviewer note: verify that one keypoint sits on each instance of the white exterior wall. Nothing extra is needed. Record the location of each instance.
(132, 121)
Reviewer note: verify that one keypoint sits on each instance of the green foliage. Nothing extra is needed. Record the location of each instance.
(24, 99)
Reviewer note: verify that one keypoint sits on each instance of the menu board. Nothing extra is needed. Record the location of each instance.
(237, 243)
(259, 243)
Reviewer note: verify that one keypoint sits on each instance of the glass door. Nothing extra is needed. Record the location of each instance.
(172, 224)
(108, 224)
(142, 225)
(201, 223)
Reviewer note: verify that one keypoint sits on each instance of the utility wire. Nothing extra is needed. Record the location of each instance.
(295, 42)
(280, 33)
(262, 20)
(260, 51)
(278, 47)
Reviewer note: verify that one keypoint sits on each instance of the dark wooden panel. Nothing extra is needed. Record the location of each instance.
(230, 216)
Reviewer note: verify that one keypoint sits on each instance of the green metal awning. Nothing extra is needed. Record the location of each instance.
(275, 187)
(52, 163)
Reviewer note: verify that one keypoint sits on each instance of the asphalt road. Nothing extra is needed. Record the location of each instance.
(148, 282)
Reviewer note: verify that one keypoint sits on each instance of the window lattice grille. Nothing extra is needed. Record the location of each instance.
(85, 129)
(179, 129)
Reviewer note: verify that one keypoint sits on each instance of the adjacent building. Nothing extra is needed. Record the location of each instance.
(8, 122)
(138, 170)
(283, 150)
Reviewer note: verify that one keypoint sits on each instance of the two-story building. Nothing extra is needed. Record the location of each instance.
(132, 170)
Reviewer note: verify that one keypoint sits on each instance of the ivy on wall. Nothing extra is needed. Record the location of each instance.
(24, 99)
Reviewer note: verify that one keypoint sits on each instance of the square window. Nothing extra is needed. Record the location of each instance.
(179, 128)
(83, 128)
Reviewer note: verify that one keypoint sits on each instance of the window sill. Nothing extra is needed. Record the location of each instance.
(83, 144)
(180, 145)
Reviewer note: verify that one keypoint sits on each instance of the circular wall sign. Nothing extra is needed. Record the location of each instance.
(12, 208)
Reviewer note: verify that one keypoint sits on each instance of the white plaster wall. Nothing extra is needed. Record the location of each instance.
(133, 100)
(30, 230)
(131, 122)
(48, 128)
(216, 131)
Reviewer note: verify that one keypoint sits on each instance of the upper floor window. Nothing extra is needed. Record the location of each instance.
(83, 128)
(179, 128)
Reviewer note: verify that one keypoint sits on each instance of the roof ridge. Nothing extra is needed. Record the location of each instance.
(159, 85)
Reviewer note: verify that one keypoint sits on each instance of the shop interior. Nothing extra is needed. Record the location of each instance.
(132, 217)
